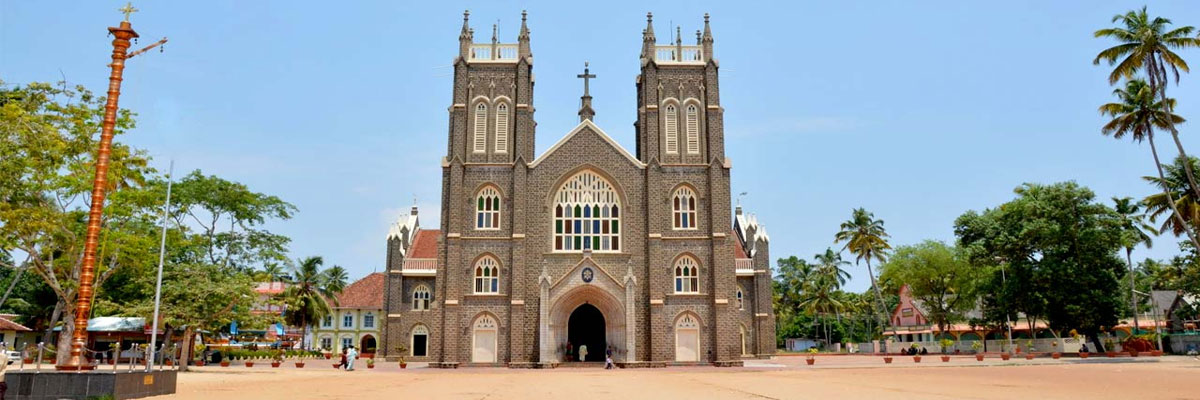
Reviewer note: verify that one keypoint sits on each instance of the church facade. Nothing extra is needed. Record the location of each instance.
(587, 244)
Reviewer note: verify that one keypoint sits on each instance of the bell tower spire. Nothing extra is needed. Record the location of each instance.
(465, 36)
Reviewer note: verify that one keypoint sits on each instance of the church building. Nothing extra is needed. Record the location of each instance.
(586, 244)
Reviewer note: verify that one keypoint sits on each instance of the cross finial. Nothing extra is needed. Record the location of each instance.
(585, 106)
(585, 76)
(128, 9)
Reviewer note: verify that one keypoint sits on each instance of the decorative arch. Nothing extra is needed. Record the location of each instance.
(687, 274)
(587, 214)
(487, 274)
(485, 330)
(502, 125)
(600, 295)
(687, 337)
(684, 201)
(367, 343)
(487, 207)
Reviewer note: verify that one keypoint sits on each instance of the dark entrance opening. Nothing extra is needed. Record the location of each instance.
(419, 345)
(586, 327)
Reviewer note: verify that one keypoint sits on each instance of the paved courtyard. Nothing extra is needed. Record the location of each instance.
(841, 377)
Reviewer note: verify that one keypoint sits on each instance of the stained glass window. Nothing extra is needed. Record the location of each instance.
(487, 209)
(587, 215)
(683, 206)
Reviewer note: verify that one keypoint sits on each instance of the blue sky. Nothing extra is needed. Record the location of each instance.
(916, 111)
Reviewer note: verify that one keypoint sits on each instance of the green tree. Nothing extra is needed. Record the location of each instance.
(830, 264)
(1176, 206)
(939, 276)
(866, 238)
(335, 278)
(1059, 248)
(48, 136)
(310, 294)
(230, 217)
(1137, 114)
(1147, 44)
(1135, 231)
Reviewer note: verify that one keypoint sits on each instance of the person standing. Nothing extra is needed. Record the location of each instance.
(350, 358)
(582, 352)
(608, 364)
(3, 366)
(342, 361)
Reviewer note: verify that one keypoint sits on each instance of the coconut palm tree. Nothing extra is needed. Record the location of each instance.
(866, 238)
(1146, 45)
(820, 298)
(271, 272)
(830, 263)
(1134, 231)
(1137, 114)
(335, 278)
(1176, 201)
(308, 297)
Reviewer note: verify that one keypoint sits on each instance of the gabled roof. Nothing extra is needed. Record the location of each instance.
(8, 325)
(591, 126)
(364, 293)
(738, 250)
(425, 244)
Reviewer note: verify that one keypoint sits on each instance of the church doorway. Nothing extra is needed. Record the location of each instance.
(687, 339)
(367, 344)
(483, 347)
(586, 327)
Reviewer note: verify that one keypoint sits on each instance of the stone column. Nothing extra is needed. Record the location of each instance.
(546, 354)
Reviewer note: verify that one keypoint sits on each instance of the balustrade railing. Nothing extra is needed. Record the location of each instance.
(492, 52)
(419, 265)
(671, 54)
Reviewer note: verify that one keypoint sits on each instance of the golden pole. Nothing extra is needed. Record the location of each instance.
(83, 302)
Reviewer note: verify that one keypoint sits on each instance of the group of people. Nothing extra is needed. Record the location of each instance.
(912, 351)
(583, 352)
(349, 354)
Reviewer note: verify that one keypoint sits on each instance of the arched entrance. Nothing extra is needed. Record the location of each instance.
(367, 344)
(687, 338)
(586, 327)
(483, 340)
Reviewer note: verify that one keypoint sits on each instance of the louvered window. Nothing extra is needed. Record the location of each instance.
(671, 125)
(480, 128)
(502, 128)
(693, 130)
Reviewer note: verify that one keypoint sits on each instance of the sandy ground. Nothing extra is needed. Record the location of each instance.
(841, 377)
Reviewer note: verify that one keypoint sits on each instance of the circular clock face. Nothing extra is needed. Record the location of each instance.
(587, 274)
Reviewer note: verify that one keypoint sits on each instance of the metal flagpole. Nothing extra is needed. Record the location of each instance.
(162, 248)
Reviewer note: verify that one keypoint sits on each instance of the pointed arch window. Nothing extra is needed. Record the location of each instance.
(481, 128)
(502, 128)
(683, 206)
(671, 127)
(587, 215)
(687, 276)
(421, 298)
(741, 299)
(693, 129)
(487, 209)
(487, 276)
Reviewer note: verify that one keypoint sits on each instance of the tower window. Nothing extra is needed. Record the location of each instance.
(480, 128)
(502, 128)
(693, 129)
(421, 298)
(683, 206)
(687, 277)
(487, 209)
(487, 276)
(671, 126)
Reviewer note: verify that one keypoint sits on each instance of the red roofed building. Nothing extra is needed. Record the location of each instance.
(357, 317)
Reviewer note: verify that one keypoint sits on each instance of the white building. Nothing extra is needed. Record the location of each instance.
(356, 318)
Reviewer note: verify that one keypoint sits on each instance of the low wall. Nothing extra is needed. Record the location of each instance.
(54, 385)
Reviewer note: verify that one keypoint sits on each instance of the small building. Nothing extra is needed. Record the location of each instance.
(356, 317)
(128, 331)
(13, 334)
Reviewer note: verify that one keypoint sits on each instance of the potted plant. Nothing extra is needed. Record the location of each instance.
(249, 358)
(887, 359)
(812, 356)
(946, 343)
(328, 354)
(276, 358)
(371, 363)
(1005, 353)
(916, 358)
(976, 346)
(400, 351)
(1029, 349)
(1054, 350)
(226, 357)
(1110, 348)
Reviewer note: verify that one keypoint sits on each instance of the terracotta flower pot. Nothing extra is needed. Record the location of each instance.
(199, 363)
(299, 365)
(109, 362)
(1005, 356)
(1156, 353)
(1028, 356)
(249, 364)
(887, 360)
(1133, 353)
(328, 356)
(1111, 354)
(370, 366)
(275, 365)
(916, 359)
(1083, 354)
(1055, 355)
(337, 365)
(979, 357)
(170, 362)
(27, 360)
(945, 358)
(810, 361)
(224, 363)
(403, 365)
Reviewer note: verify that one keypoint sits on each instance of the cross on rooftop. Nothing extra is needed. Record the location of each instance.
(585, 75)
(128, 9)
